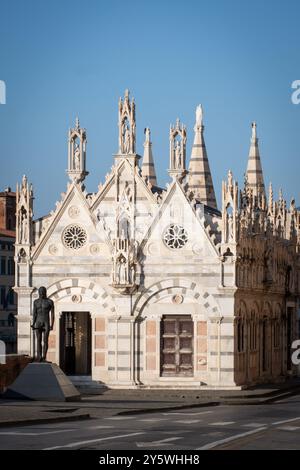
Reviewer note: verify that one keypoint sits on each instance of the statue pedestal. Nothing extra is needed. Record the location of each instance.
(42, 381)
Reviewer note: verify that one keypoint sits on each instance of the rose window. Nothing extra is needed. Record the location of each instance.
(74, 237)
(175, 236)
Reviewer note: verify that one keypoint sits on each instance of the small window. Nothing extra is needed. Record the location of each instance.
(11, 297)
(3, 297)
(11, 266)
(11, 319)
(3, 265)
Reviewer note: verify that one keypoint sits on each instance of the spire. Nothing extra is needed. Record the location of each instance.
(254, 170)
(200, 180)
(148, 169)
(270, 205)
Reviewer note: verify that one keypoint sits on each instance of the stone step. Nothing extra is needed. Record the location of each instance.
(85, 382)
(80, 378)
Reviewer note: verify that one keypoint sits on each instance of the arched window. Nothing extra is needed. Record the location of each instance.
(240, 335)
(264, 344)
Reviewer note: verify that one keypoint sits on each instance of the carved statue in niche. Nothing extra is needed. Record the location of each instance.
(230, 228)
(126, 125)
(177, 151)
(77, 153)
(77, 157)
(21, 256)
(124, 264)
(23, 227)
(177, 138)
(122, 271)
(126, 139)
(24, 196)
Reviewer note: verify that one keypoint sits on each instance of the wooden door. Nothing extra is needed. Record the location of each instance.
(177, 332)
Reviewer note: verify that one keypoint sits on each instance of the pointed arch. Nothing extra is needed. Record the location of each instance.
(96, 293)
(155, 292)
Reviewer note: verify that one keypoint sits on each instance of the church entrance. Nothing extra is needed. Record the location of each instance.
(177, 333)
(75, 343)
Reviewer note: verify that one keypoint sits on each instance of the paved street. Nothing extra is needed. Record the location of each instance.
(272, 426)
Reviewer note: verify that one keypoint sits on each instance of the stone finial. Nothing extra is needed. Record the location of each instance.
(280, 199)
(230, 180)
(147, 134)
(254, 133)
(199, 115)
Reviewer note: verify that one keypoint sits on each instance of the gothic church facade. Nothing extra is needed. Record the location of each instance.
(157, 287)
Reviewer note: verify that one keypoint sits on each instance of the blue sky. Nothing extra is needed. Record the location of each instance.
(61, 58)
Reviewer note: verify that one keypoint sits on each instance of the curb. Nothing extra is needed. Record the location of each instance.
(229, 402)
(277, 392)
(169, 408)
(266, 400)
(30, 422)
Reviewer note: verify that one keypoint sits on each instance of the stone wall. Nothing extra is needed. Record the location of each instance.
(10, 371)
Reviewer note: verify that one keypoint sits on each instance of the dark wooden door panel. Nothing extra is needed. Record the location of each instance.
(177, 333)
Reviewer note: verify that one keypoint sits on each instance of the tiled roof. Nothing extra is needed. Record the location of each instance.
(8, 193)
(7, 233)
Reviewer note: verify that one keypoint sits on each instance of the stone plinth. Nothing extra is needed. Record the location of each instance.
(43, 381)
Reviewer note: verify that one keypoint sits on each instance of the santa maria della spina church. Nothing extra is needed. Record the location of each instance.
(158, 287)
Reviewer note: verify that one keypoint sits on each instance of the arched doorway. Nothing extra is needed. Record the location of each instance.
(75, 343)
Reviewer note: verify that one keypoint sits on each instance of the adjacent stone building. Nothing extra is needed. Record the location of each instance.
(8, 304)
(157, 287)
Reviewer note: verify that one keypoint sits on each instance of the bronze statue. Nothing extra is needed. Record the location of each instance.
(42, 324)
